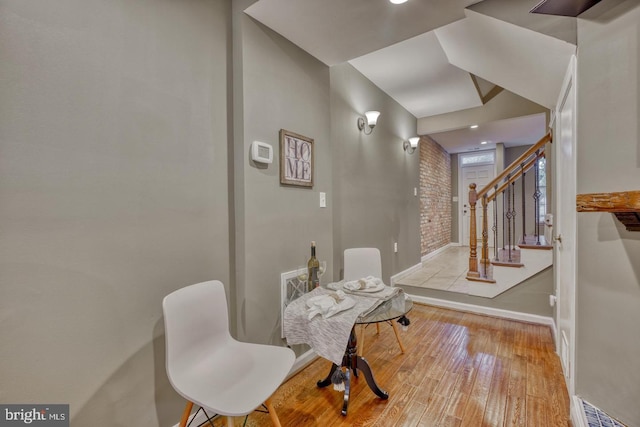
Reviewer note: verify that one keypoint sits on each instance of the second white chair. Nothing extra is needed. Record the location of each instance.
(363, 262)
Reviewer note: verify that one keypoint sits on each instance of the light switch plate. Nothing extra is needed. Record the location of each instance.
(323, 200)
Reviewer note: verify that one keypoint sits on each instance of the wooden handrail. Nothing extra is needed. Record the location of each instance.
(515, 164)
(514, 177)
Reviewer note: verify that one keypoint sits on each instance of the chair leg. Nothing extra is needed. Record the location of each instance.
(230, 421)
(395, 330)
(272, 413)
(360, 341)
(186, 413)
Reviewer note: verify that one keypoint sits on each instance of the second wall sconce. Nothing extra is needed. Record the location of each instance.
(370, 122)
(411, 145)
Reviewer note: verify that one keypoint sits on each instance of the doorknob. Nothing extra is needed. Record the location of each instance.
(558, 238)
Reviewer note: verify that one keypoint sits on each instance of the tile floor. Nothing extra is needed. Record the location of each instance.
(445, 271)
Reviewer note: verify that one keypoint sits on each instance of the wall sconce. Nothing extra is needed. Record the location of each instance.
(372, 119)
(411, 145)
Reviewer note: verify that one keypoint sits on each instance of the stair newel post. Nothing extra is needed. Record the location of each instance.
(536, 198)
(512, 241)
(473, 239)
(509, 219)
(485, 239)
(495, 223)
(504, 222)
(524, 232)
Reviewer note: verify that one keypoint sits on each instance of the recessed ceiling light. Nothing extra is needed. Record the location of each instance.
(483, 142)
(398, 1)
(473, 127)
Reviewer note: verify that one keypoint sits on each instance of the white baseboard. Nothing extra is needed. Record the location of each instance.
(578, 418)
(417, 267)
(488, 311)
(403, 273)
(437, 251)
(300, 363)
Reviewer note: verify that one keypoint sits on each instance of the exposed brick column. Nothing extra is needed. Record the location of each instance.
(435, 196)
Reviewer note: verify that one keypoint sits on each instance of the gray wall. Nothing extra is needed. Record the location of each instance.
(113, 182)
(373, 177)
(531, 296)
(278, 86)
(608, 256)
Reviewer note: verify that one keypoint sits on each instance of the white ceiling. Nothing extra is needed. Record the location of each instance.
(336, 31)
(528, 63)
(524, 130)
(417, 74)
(422, 53)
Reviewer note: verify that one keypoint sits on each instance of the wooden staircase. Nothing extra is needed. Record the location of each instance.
(496, 202)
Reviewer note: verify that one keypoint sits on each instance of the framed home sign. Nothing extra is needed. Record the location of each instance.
(296, 159)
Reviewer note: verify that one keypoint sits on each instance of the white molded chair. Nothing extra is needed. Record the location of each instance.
(363, 262)
(207, 366)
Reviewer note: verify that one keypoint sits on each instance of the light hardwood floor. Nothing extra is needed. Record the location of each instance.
(460, 369)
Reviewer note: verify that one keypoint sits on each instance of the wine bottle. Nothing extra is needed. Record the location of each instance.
(313, 265)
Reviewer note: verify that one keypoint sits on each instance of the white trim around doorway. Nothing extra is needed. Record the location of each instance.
(461, 189)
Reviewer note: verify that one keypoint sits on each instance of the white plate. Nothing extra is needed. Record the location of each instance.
(377, 288)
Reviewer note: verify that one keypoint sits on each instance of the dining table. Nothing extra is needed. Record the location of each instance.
(334, 337)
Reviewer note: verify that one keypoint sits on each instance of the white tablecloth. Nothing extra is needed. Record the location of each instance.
(327, 337)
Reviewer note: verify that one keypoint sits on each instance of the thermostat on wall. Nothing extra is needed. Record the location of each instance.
(261, 152)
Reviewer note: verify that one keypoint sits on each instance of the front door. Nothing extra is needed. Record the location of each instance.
(481, 175)
(565, 224)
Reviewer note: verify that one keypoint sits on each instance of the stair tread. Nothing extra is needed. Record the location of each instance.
(508, 258)
(507, 264)
(533, 242)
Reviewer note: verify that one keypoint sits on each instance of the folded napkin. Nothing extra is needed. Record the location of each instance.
(366, 283)
(370, 286)
(327, 337)
(329, 304)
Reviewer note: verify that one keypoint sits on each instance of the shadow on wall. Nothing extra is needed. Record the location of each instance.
(110, 406)
(629, 240)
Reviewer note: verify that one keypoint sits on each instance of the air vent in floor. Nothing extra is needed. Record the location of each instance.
(596, 418)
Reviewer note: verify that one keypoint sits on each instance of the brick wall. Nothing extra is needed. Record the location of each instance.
(435, 196)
